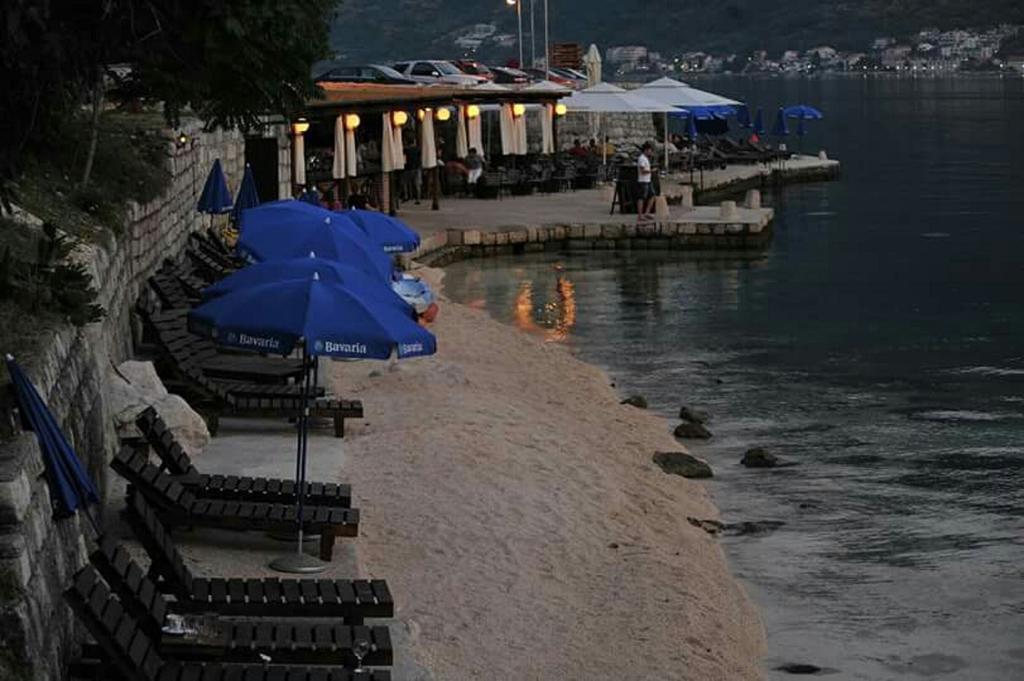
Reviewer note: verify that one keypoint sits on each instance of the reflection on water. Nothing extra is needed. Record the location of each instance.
(554, 319)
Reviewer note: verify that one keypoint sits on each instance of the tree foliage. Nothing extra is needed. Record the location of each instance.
(230, 62)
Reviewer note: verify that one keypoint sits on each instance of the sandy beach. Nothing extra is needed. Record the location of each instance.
(512, 505)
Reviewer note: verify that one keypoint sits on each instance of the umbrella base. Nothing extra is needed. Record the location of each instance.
(298, 564)
(292, 537)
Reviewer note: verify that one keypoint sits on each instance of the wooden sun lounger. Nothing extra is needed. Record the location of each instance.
(178, 507)
(177, 462)
(235, 639)
(351, 600)
(129, 654)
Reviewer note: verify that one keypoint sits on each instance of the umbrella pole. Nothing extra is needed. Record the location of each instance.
(299, 562)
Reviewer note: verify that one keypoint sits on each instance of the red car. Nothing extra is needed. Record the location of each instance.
(473, 68)
(555, 78)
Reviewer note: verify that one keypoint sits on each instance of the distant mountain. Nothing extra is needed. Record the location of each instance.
(396, 29)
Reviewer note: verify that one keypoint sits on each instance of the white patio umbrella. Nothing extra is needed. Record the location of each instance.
(606, 98)
(592, 64)
(461, 138)
(339, 167)
(681, 95)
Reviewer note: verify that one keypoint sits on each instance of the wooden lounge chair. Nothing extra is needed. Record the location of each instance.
(351, 600)
(178, 507)
(177, 462)
(128, 652)
(235, 639)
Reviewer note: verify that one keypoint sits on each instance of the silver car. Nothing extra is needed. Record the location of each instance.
(436, 71)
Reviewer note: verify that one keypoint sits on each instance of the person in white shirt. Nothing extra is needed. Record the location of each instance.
(645, 200)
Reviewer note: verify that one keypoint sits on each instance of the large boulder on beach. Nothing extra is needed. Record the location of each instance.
(132, 386)
(638, 401)
(759, 457)
(691, 415)
(692, 431)
(682, 463)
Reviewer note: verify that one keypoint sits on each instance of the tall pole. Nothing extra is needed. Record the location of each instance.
(519, 16)
(533, 36)
(547, 44)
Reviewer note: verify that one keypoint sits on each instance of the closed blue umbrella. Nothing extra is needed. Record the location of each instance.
(393, 235)
(323, 318)
(216, 197)
(248, 197)
(329, 271)
(779, 128)
(743, 116)
(293, 229)
(691, 126)
(70, 486)
(759, 122)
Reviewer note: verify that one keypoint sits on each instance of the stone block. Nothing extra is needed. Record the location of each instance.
(518, 237)
(455, 237)
(647, 229)
(558, 232)
(687, 228)
(734, 228)
(755, 228)
(591, 231)
(703, 228)
(533, 235)
(471, 237)
(488, 239)
(718, 229)
(576, 232)
(668, 228)
(501, 239)
(629, 230)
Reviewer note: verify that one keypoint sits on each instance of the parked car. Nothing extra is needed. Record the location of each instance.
(506, 75)
(436, 71)
(473, 68)
(367, 73)
(554, 77)
(572, 74)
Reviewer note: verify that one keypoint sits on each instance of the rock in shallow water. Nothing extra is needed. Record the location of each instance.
(759, 457)
(681, 463)
(694, 431)
(691, 415)
(799, 668)
(638, 401)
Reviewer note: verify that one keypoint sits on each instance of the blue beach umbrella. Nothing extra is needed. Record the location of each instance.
(248, 197)
(331, 319)
(803, 112)
(759, 122)
(323, 319)
(391, 234)
(293, 229)
(743, 116)
(779, 128)
(69, 483)
(216, 197)
(800, 129)
(329, 271)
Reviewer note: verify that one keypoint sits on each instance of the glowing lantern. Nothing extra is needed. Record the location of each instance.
(300, 126)
(472, 111)
(518, 109)
(399, 118)
(443, 115)
(561, 109)
(352, 121)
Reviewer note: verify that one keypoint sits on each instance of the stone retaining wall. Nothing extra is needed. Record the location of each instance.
(38, 554)
(444, 248)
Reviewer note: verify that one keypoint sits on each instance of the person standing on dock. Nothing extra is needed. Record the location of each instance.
(645, 197)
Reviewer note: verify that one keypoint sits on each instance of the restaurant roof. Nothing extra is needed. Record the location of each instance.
(362, 97)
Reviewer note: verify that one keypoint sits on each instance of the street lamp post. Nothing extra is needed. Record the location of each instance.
(519, 16)
(533, 37)
(547, 44)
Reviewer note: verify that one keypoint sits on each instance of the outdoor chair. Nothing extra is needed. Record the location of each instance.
(351, 600)
(177, 462)
(230, 639)
(128, 653)
(178, 507)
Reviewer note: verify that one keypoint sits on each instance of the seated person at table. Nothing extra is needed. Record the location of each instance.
(475, 166)
(578, 149)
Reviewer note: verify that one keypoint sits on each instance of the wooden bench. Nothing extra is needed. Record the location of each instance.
(179, 507)
(177, 462)
(128, 652)
(351, 600)
(235, 639)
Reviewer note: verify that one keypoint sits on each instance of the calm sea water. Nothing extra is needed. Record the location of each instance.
(878, 344)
